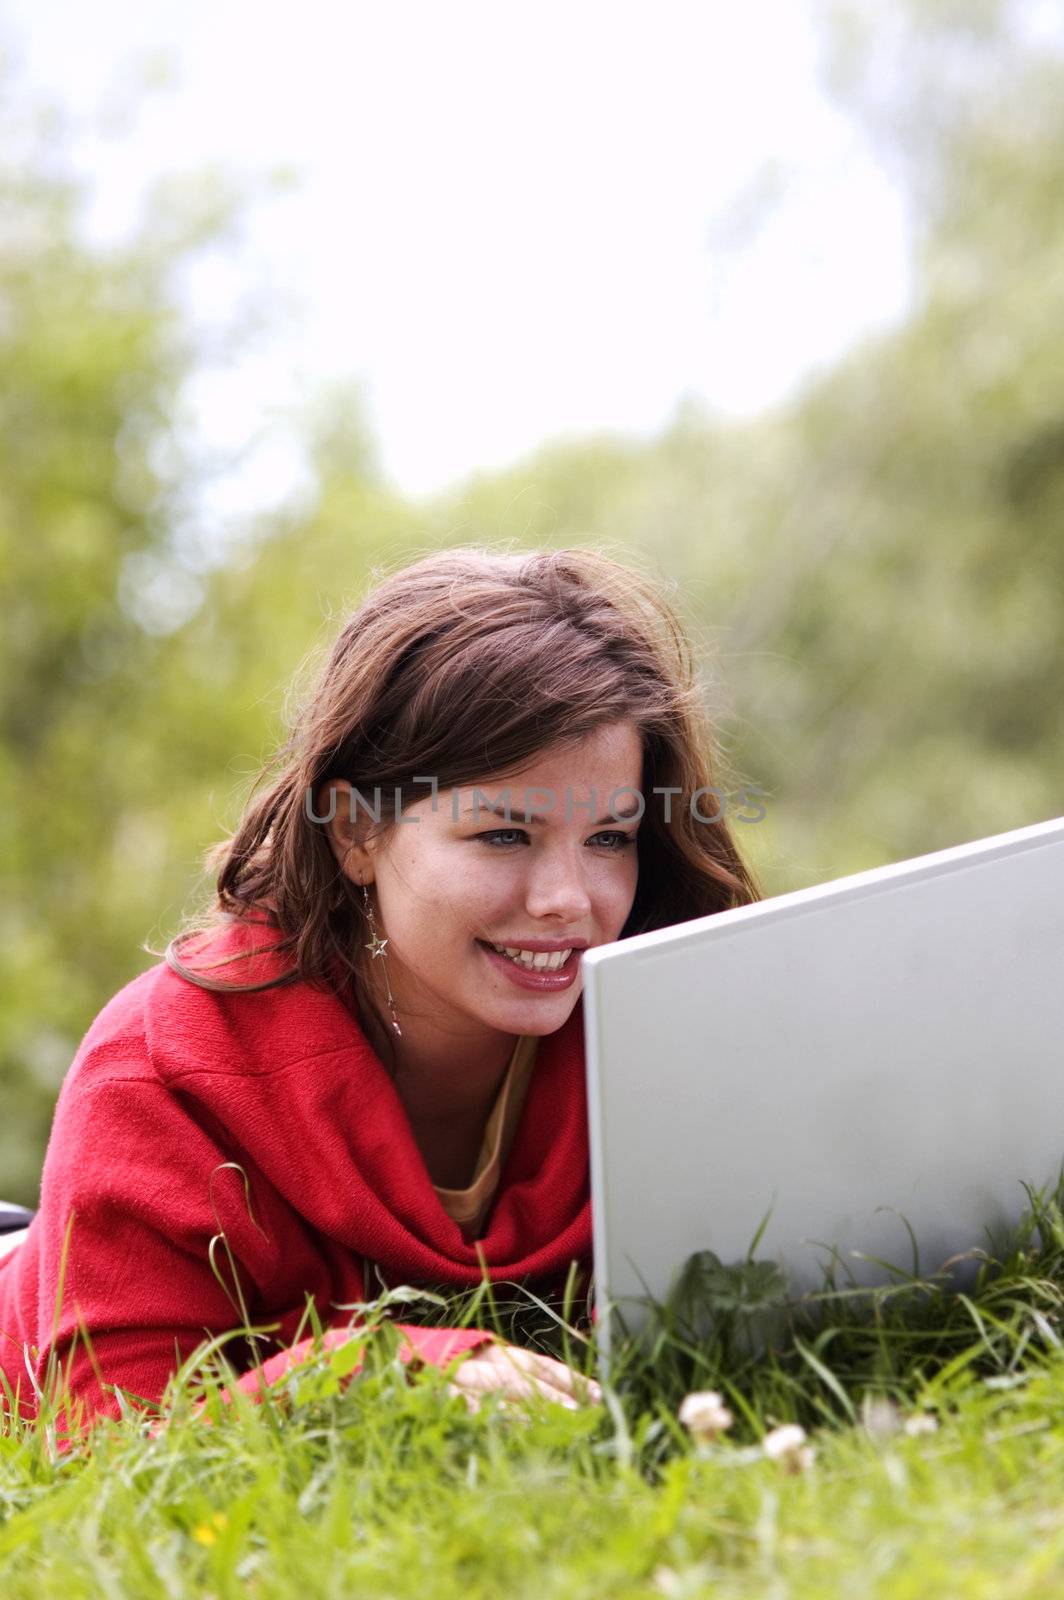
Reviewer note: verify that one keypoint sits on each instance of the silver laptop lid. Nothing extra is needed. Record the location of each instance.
(890, 1039)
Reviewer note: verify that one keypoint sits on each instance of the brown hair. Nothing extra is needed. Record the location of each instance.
(464, 665)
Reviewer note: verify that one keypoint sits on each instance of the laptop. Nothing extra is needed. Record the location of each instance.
(852, 1060)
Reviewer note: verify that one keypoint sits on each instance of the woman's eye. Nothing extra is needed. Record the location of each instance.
(502, 837)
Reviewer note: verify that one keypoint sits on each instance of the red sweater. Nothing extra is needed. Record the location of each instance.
(170, 1083)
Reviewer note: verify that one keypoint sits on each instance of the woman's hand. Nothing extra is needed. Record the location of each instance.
(520, 1374)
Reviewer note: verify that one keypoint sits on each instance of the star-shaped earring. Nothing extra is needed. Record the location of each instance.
(376, 945)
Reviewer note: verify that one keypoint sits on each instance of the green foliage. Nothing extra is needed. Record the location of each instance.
(937, 1432)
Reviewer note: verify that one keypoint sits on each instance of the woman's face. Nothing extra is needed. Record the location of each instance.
(449, 885)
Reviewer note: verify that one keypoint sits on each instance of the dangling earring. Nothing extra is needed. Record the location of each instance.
(376, 947)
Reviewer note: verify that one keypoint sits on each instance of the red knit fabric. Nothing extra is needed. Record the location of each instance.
(170, 1083)
(437, 1346)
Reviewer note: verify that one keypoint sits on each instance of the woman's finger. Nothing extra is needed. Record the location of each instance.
(547, 1370)
(482, 1374)
(472, 1401)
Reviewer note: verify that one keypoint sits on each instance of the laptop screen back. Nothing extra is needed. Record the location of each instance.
(894, 1039)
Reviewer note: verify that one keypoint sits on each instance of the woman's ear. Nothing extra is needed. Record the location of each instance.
(334, 810)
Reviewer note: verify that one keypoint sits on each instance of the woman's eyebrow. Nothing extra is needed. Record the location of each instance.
(506, 812)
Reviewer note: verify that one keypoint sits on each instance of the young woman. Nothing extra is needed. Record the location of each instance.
(367, 1070)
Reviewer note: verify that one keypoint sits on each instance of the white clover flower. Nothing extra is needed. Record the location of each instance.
(783, 1441)
(880, 1416)
(704, 1414)
(787, 1445)
(921, 1422)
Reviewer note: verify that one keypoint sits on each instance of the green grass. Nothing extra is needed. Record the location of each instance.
(388, 1486)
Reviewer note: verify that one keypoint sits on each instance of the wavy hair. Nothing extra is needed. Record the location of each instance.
(466, 664)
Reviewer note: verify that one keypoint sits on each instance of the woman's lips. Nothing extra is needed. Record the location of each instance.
(528, 977)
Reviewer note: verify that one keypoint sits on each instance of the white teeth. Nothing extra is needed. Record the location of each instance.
(537, 960)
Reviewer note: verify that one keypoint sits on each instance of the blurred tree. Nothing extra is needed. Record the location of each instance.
(93, 476)
(919, 611)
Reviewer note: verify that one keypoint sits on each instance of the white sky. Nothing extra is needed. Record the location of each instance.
(510, 220)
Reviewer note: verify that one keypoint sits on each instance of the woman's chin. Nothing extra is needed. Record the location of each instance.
(541, 1014)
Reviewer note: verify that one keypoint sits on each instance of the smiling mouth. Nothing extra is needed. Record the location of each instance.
(536, 961)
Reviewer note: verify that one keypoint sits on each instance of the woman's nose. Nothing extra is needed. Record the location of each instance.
(556, 888)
